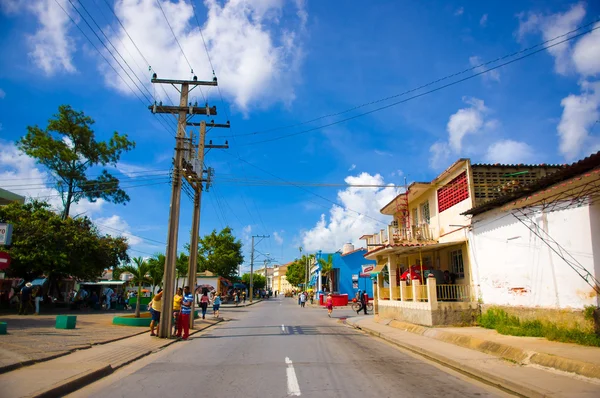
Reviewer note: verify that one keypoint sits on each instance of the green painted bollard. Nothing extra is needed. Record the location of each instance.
(66, 321)
(3, 327)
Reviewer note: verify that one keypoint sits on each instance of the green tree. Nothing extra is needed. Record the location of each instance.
(45, 244)
(67, 147)
(140, 276)
(327, 270)
(157, 270)
(258, 281)
(181, 269)
(220, 253)
(295, 272)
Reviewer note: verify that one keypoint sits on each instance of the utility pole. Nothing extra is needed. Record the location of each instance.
(252, 264)
(182, 111)
(193, 171)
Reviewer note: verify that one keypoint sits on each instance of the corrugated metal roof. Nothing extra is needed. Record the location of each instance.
(541, 165)
(575, 169)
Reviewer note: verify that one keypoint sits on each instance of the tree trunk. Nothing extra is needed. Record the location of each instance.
(138, 303)
(68, 202)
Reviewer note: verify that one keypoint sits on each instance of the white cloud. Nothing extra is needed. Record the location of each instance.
(580, 113)
(551, 26)
(383, 153)
(19, 174)
(352, 167)
(483, 20)
(51, 46)
(586, 53)
(465, 121)
(440, 153)
(397, 173)
(133, 171)
(475, 61)
(278, 238)
(256, 58)
(116, 226)
(510, 152)
(344, 225)
(2, 94)
(459, 11)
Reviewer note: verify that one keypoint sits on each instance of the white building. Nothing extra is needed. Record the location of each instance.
(536, 250)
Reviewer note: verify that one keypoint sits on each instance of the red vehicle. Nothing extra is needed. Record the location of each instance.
(414, 272)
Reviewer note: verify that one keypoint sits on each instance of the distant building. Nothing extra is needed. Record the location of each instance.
(7, 197)
(280, 283)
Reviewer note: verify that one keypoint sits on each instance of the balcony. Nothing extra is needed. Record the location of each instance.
(400, 234)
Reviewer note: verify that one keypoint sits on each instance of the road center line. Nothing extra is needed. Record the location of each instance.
(292, 381)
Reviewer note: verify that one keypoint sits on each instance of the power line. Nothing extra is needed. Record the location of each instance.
(102, 55)
(312, 193)
(426, 85)
(22, 187)
(149, 171)
(128, 233)
(102, 190)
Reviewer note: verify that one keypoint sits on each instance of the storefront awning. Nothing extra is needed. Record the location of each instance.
(313, 280)
(378, 269)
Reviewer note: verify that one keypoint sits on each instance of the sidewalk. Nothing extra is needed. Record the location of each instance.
(60, 376)
(487, 354)
(32, 339)
(246, 304)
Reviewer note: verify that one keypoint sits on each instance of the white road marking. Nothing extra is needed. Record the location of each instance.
(292, 381)
(283, 328)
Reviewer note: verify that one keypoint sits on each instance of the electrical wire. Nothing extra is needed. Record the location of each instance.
(179, 44)
(128, 233)
(421, 94)
(22, 187)
(105, 59)
(102, 190)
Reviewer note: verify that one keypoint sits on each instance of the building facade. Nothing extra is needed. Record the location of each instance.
(548, 236)
(423, 273)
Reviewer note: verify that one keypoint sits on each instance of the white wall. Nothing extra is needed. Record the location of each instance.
(512, 266)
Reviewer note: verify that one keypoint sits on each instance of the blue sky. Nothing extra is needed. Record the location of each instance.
(283, 63)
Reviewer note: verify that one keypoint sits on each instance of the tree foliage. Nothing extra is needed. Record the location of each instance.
(220, 253)
(327, 270)
(295, 272)
(67, 147)
(45, 244)
(258, 281)
(139, 269)
(157, 270)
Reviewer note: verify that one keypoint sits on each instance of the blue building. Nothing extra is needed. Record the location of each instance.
(346, 264)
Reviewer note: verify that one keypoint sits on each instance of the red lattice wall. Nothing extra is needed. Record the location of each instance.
(452, 193)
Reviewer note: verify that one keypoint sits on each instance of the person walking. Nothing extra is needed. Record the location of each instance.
(177, 299)
(364, 299)
(25, 303)
(329, 304)
(109, 295)
(186, 311)
(302, 300)
(204, 300)
(244, 297)
(236, 298)
(155, 309)
(216, 305)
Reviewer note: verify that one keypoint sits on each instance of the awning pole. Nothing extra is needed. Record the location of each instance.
(421, 261)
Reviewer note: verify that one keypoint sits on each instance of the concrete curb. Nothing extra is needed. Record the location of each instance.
(473, 372)
(77, 382)
(511, 353)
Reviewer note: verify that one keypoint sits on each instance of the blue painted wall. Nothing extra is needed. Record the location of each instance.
(348, 265)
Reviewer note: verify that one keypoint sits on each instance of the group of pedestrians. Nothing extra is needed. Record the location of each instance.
(29, 296)
(182, 310)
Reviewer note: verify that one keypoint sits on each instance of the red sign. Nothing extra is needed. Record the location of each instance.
(4, 260)
(366, 270)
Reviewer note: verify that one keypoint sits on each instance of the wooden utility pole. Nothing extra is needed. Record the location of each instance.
(183, 110)
(194, 178)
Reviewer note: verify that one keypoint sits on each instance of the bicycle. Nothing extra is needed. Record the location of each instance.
(356, 306)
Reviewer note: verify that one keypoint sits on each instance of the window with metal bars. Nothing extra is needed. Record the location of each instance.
(452, 193)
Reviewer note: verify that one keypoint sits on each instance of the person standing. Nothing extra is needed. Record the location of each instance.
(37, 294)
(155, 309)
(109, 294)
(186, 311)
(177, 300)
(302, 299)
(216, 305)
(204, 300)
(25, 304)
(329, 304)
(244, 296)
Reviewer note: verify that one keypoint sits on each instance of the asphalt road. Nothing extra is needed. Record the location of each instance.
(277, 349)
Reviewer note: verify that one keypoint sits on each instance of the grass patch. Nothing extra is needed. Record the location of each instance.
(504, 323)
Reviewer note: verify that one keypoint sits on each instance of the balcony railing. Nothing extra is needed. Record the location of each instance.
(408, 293)
(384, 293)
(395, 234)
(453, 293)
